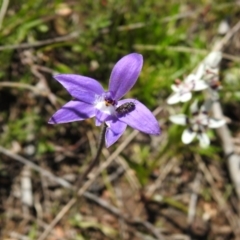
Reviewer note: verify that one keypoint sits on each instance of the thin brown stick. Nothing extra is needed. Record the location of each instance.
(194, 198)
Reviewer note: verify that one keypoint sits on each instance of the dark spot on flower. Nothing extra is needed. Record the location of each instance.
(215, 84)
(110, 102)
(125, 108)
(204, 112)
(196, 113)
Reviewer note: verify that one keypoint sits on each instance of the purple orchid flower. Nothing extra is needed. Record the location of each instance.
(90, 99)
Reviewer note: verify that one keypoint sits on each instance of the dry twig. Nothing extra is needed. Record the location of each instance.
(194, 198)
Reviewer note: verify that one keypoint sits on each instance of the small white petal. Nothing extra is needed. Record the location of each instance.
(213, 59)
(186, 97)
(180, 119)
(214, 123)
(190, 78)
(175, 88)
(174, 98)
(200, 71)
(188, 136)
(200, 85)
(204, 140)
(194, 106)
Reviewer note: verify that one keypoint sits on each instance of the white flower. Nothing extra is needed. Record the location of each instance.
(197, 125)
(183, 89)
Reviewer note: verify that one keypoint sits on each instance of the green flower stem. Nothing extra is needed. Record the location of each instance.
(95, 160)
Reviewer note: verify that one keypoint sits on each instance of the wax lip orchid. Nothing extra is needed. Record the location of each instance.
(198, 124)
(91, 100)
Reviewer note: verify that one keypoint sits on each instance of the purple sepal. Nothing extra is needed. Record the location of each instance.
(114, 131)
(101, 117)
(124, 74)
(140, 118)
(73, 111)
(82, 88)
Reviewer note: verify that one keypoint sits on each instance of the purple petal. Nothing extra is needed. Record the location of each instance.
(82, 88)
(73, 111)
(97, 122)
(101, 117)
(114, 131)
(140, 118)
(125, 74)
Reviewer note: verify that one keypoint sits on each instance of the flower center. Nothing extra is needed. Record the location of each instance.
(105, 103)
(200, 122)
(186, 87)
